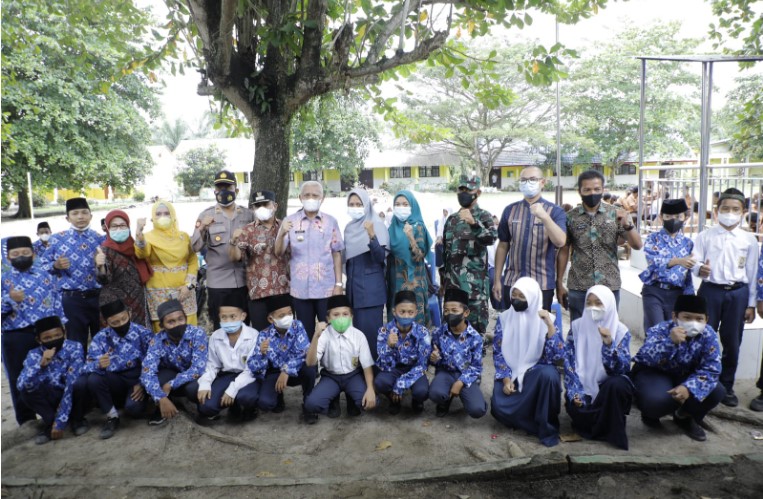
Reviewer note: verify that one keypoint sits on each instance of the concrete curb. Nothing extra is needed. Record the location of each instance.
(538, 467)
(738, 414)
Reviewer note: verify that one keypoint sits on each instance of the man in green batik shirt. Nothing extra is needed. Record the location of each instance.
(466, 237)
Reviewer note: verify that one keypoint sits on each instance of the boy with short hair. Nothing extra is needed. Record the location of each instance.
(43, 233)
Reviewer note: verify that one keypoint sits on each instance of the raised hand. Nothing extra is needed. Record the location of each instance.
(16, 295)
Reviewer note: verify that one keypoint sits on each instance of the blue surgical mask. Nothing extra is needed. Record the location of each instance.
(230, 327)
(404, 321)
(120, 235)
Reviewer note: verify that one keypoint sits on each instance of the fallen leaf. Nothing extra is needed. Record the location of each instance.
(426, 423)
(463, 497)
(288, 461)
(570, 437)
(263, 474)
(384, 444)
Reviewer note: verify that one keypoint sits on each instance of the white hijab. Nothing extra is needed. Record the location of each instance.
(588, 343)
(524, 333)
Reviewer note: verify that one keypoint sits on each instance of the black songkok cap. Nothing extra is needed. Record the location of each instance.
(277, 302)
(18, 242)
(233, 300)
(690, 303)
(674, 207)
(337, 301)
(76, 204)
(457, 295)
(47, 323)
(112, 308)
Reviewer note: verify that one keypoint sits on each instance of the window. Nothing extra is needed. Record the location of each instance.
(400, 172)
(627, 169)
(312, 176)
(429, 171)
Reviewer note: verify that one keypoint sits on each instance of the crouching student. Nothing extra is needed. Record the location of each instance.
(457, 357)
(227, 382)
(676, 370)
(113, 366)
(596, 364)
(404, 347)
(346, 363)
(176, 359)
(527, 390)
(278, 359)
(50, 383)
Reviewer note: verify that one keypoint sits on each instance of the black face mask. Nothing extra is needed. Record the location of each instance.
(673, 226)
(454, 320)
(22, 262)
(518, 305)
(591, 200)
(225, 197)
(57, 344)
(122, 330)
(175, 333)
(465, 199)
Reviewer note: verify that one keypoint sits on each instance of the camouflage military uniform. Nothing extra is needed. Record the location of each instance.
(465, 259)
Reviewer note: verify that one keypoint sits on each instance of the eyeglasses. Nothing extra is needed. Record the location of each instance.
(531, 179)
(118, 227)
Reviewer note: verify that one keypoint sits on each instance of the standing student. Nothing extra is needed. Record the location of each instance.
(278, 359)
(113, 366)
(43, 241)
(597, 361)
(457, 357)
(728, 261)
(214, 234)
(28, 295)
(227, 381)
(669, 263)
(366, 246)
(346, 364)
(756, 404)
(527, 390)
(71, 258)
(404, 347)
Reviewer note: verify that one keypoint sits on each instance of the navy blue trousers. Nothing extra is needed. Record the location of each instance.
(45, 400)
(114, 389)
(308, 310)
(188, 390)
(725, 309)
(369, 320)
(604, 418)
(658, 304)
(471, 396)
(654, 401)
(246, 398)
(269, 396)
(331, 385)
(84, 317)
(16, 345)
(576, 301)
(384, 382)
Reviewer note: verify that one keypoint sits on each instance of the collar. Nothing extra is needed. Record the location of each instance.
(258, 223)
(581, 209)
(303, 215)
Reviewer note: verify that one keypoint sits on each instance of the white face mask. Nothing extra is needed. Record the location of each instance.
(402, 212)
(692, 328)
(311, 205)
(44, 237)
(83, 229)
(729, 219)
(263, 214)
(597, 313)
(284, 322)
(356, 212)
(530, 189)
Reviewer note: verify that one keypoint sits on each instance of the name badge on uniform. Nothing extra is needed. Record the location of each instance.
(300, 235)
(742, 261)
(355, 362)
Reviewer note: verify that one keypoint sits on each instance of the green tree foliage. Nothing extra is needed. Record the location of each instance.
(601, 100)
(741, 118)
(74, 83)
(333, 131)
(171, 133)
(201, 165)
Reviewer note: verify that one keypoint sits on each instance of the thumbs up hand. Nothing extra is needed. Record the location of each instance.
(100, 257)
(435, 356)
(704, 269)
(17, 295)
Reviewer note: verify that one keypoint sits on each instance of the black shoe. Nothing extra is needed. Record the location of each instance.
(309, 417)
(651, 422)
(418, 407)
(249, 415)
(352, 408)
(43, 437)
(756, 404)
(109, 428)
(280, 404)
(690, 427)
(156, 419)
(202, 420)
(81, 427)
(334, 409)
(442, 409)
(394, 408)
(730, 400)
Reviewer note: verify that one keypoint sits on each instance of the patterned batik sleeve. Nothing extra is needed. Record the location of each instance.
(657, 256)
(298, 352)
(30, 379)
(617, 358)
(473, 372)
(149, 378)
(572, 385)
(704, 379)
(553, 349)
(760, 274)
(386, 360)
(198, 361)
(97, 348)
(407, 380)
(502, 369)
(75, 362)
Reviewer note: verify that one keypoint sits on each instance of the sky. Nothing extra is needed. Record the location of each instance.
(180, 100)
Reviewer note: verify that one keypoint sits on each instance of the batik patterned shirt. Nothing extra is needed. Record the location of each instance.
(659, 249)
(124, 352)
(461, 354)
(188, 357)
(41, 298)
(79, 247)
(411, 351)
(593, 240)
(286, 353)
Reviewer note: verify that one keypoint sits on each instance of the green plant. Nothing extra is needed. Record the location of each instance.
(38, 200)
(139, 196)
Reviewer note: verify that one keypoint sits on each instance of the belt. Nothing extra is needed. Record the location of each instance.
(90, 293)
(727, 287)
(669, 287)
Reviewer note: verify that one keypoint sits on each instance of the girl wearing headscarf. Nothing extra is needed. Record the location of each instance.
(410, 245)
(366, 243)
(527, 390)
(596, 362)
(120, 273)
(168, 251)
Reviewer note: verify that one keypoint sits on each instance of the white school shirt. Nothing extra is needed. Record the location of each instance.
(733, 256)
(343, 353)
(222, 357)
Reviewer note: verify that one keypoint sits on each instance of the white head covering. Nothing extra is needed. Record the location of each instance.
(441, 225)
(524, 333)
(585, 331)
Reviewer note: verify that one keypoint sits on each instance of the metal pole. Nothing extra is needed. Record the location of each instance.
(31, 199)
(704, 141)
(642, 105)
(559, 191)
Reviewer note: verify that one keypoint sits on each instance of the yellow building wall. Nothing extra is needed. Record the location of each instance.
(381, 174)
(331, 174)
(90, 193)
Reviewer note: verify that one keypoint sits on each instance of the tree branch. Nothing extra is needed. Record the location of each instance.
(389, 29)
(418, 54)
(225, 36)
(310, 59)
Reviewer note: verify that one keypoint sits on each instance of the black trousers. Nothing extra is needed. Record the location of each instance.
(16, 345)
(83, 314)
(308, 310)
(268, 395)
(654, 401)
(114, 389)
(604, 418)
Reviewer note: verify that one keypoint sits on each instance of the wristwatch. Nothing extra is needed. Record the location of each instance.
(190, 286)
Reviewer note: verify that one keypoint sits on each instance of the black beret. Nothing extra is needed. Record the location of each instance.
(112, 308)
(457, 295)
(690, 303)
(76, 204)
(337, 301)
(674, 207)
(47, 323)
(277, 302)
(168, 307)
(405, 296)
(18, 242)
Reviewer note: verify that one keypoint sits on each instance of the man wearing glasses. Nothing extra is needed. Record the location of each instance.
(530, 232)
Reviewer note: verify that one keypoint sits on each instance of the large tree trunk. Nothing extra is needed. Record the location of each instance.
(25, 205)
(271, 158)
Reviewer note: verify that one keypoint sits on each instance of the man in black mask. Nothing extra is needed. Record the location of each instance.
(28, 294)
(113, 365)
(594, 230)
(176, 359)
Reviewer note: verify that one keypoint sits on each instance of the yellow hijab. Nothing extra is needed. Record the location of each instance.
(170, 245)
